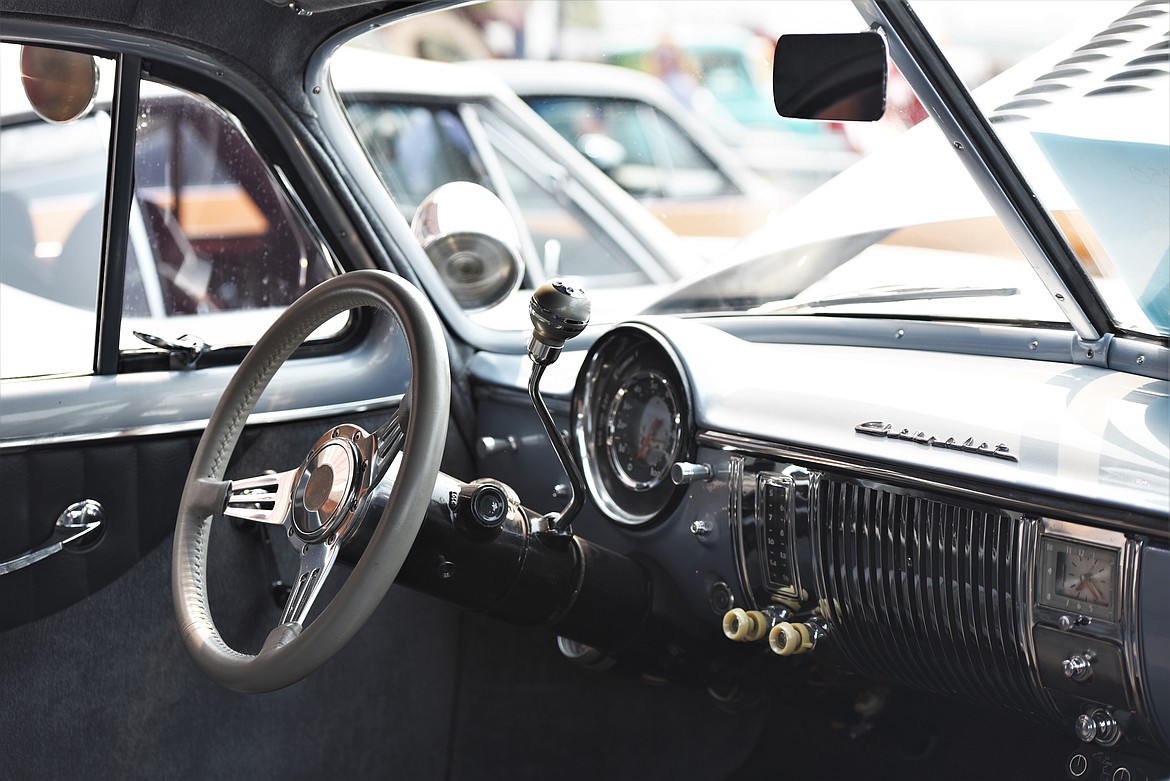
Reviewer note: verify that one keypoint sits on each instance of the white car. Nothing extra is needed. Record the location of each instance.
(631, 126)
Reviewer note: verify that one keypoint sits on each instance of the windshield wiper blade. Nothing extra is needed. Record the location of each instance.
(884, 296)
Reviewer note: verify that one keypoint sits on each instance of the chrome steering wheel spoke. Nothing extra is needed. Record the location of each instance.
(387, 444)
(316, 562)
(261, 499)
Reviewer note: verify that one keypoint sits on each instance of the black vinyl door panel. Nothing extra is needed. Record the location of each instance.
(138, 484)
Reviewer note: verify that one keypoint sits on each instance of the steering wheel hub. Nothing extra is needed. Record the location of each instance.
(329, 484)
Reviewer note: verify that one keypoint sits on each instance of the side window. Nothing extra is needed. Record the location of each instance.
(216, 247)
(51, 176)
(212, 232)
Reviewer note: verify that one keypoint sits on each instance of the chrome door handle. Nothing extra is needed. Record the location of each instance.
(79, 520)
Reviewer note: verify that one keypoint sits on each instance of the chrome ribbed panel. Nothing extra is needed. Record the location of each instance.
(924, 592)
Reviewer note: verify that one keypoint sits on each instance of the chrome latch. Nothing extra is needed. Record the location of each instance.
(185, 352)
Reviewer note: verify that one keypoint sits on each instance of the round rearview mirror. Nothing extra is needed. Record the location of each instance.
(470, 237)
(60, 85)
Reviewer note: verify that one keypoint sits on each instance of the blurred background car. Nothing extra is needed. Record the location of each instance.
(424, 124)
(723, 74)
(632, 127)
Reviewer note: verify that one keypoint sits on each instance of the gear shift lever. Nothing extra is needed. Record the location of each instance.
(559, 312)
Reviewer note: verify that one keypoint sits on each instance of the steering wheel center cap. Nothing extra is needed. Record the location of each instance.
(327, 487)
(319, 490)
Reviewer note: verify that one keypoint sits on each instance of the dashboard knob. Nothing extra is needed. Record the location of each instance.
(745, 626)
(1078, 668)
(788, 639)
(1098, 726)
(684, 472)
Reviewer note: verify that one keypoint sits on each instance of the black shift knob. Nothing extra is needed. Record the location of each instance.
(559, 311)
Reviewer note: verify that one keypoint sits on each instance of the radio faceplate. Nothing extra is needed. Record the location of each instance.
(772, 529)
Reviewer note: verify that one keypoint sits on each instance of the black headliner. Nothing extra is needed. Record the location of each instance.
(265, 43)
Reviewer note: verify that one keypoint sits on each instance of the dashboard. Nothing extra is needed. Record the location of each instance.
(992, 530)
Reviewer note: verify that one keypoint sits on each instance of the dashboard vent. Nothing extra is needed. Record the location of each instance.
(924, 592)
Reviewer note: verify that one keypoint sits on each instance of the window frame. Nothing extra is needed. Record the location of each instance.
(282, 152)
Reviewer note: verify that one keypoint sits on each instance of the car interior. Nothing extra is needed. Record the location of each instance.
(319, 462)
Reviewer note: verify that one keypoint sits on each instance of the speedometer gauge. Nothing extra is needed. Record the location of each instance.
(643, 430)
(632, 422)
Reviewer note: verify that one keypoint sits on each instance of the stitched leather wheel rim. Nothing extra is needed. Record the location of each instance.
(290, 652)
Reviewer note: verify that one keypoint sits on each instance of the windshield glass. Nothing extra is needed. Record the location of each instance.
(869, 218)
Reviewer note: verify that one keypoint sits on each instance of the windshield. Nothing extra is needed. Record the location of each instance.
(876, 219)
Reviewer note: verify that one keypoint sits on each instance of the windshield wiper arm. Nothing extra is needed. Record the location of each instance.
(885, 296)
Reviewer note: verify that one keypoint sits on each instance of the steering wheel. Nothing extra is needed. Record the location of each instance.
(319, 504)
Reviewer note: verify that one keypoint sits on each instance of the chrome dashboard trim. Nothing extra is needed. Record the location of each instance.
(956, 485)
(190, 426)
(1029, 543)
(1131, 641)
(1123, 631)
(735, 513)
(584, 441)
(584, 428)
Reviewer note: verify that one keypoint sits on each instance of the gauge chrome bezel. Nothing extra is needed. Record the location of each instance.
(613, 361)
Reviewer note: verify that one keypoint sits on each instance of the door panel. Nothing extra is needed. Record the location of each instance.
(138, 485)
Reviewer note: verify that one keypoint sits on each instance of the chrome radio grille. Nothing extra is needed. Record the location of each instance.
(924, 592)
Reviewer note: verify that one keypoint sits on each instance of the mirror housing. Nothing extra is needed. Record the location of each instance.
(471, 239)
(60, 85)
(838, 76)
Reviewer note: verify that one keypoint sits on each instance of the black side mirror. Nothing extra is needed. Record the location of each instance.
(839, 77)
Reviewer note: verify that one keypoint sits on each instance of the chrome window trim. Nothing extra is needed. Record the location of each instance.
(191, 426)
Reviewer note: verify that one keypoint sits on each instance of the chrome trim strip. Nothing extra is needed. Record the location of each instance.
(1085, 534)
(735, 513)
(1028, 541)
(954, 485)
(1130, 641)
(184, 427)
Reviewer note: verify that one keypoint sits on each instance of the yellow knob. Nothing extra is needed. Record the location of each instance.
(787, 639)
(745, 625)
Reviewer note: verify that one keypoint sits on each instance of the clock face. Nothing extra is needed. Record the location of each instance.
(1085, 575)
(1078, 578)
